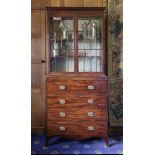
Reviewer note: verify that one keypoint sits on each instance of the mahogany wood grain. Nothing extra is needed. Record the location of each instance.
(75, 100)
(77, 85)
(78, 130)
(78, 113)
(74, 115)
(76, 76)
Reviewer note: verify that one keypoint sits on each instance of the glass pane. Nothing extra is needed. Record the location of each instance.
(90, 44)
(61, 44)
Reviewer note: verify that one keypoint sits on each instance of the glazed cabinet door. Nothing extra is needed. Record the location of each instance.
(76, 43)
(90, 44)
(61, 39)
(37, 69)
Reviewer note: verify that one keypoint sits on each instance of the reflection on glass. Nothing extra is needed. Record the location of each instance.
(61, 44)
(89, 45)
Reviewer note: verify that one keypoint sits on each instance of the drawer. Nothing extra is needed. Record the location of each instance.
(76, 86)
(80, 113)
(78, 130)
(75, 100)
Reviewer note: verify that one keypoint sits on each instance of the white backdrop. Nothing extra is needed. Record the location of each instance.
(139, 77)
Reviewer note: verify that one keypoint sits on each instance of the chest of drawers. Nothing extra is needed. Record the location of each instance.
(76, 108)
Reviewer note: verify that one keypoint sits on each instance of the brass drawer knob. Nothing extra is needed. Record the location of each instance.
(62, 128)
(62, 101)
(61, 87)
(90, 114)
(91, 128)
(91, 101)
(90, 87)
(62, 114)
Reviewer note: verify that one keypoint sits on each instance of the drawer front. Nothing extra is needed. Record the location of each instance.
(76, 86)
(78, 130)
(71, 100)
(81, 113)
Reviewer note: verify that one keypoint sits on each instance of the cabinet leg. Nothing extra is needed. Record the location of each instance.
(47, 140)
(106, 141)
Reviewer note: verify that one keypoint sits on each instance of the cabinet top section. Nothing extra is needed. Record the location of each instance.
(76, 40)
(76, 8)
(82, 11)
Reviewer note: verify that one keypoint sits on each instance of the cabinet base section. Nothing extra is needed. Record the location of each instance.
(105, 138)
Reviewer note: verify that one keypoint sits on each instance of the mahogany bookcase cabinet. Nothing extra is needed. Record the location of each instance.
(76, 81)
